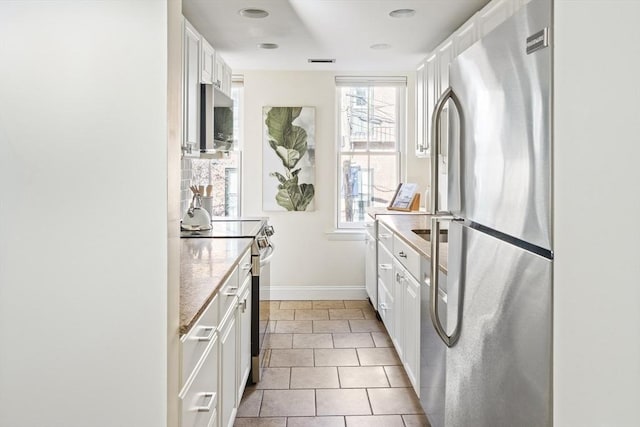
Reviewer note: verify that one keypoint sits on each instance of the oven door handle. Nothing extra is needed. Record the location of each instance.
(268, 253)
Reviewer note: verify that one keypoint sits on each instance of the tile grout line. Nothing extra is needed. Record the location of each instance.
(369, 401)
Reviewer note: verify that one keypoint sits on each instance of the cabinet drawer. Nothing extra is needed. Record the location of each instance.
(385, 265)
(385, 237)
(200, 396)
(244, 266)
(407, 256)
(196, 341)
(228, 293)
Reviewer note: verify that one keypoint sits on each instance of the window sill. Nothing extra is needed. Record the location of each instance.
(346, 235)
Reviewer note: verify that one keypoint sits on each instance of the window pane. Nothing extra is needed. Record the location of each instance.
(222, 175)
(368, 118)
(365, 180)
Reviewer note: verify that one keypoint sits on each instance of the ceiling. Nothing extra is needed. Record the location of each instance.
(340, 29)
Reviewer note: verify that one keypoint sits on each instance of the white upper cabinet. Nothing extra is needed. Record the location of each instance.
(421, 123)
(432, 75)
(191, 89)
(208, 62)
(222, 75)
(227, 79)
(445, 56)
(200, 64)
(494, 14)
(431, 93)
(219, 73)
(466, 35)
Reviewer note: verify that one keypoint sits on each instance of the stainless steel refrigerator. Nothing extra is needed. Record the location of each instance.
(498, 327)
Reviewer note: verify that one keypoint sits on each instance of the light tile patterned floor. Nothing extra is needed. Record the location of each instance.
(331, 364)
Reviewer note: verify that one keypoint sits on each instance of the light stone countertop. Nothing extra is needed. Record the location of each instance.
(205, 263)
(402, 224)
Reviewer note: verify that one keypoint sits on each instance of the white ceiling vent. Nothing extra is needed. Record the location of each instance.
(321, 61)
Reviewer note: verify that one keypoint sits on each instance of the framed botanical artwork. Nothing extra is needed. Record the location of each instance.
(288, 159)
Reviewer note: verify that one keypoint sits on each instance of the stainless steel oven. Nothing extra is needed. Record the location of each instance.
(261, 252)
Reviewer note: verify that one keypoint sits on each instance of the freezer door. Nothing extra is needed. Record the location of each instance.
(500, 170)
(432, 355)
(498, 374)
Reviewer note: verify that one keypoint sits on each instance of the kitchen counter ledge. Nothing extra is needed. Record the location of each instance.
(402, 224)
(204, 265)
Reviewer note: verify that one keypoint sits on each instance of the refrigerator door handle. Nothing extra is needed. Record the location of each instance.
(449, 340)
(448, 94)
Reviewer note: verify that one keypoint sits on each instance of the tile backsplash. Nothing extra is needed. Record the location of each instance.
(185, 180)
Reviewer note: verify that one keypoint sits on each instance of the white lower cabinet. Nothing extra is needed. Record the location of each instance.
(407, 321)
(244, 335)
(370, 274)
(399, 279)
(385, 287)
(228, 367)
(411, 322)
(216, 354)
(200, 395)
(399, 301)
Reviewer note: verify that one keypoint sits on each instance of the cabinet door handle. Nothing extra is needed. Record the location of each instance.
(401, 254)
(385, 266)
(246, 267)
(384, 235)
(399, 277)
(243, 305)
(231, 291)
(209, 336)
(207, 408)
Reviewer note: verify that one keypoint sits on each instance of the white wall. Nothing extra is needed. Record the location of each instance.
(306, 256)
(597, 206)
(83, 213)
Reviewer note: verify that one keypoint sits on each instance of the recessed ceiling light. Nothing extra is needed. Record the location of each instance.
(402, 13)
(268, 46)
(253, 13)
(380, 46)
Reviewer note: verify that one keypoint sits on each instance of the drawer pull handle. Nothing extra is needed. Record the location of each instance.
(385, 266)
(385, 235)
(232, 291)
(401, 254)
(209, 336)
(246, 267)
(207, 408)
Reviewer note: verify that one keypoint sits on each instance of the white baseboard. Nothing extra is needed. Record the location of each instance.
(317, 292)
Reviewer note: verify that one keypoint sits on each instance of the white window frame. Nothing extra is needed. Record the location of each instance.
(401, 111)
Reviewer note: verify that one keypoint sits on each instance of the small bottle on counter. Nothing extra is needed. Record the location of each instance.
(427, 199)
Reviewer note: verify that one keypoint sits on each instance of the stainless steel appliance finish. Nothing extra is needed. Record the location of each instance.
(503, 164)
(210, 98)
(498, 326)
(498, 373)
(432, 355)
(262, 250)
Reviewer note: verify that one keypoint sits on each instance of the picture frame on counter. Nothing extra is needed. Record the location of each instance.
(406, 198)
